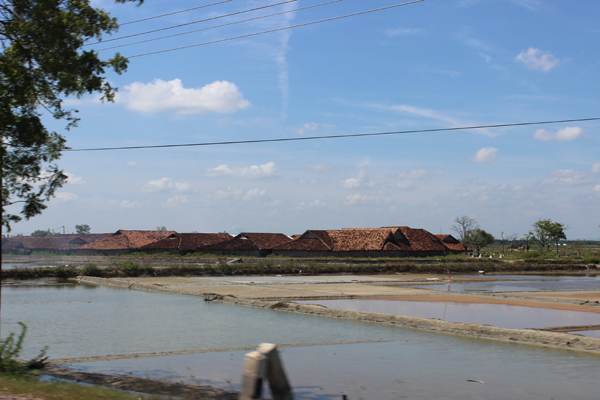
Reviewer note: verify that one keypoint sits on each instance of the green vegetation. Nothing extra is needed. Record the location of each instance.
(10, 350)
(30, 387)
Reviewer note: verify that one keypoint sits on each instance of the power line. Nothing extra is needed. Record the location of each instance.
(193, 22)
(278, 29)
(175, 12)
(220, 26)
(336, 136)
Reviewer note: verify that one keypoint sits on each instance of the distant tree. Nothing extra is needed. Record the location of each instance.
(556, 233)
(41, 233)
(513, 239)
(478, 239)
(502, 239)
(547, 232)
(161, 228)
(578, 246)
(463, 225)
(529, 240)
(82, 228)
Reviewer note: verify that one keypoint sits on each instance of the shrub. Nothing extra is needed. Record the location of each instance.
(592, 259)
(64, 272)
(91, 269)
(10, 350)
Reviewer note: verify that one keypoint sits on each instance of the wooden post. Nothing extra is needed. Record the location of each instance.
(252, 379)
(275, 373)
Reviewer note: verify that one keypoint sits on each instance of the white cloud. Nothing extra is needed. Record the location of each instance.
(255, 171)
(567, 177)
(562, 135)
(402, 31)
(132, 163)
(596, 168)
(65, 197)
(357, 181)
(597, 189)
(74, 180)
(128, 204)
(538, 60)
(485, 154)
(159, 95)
(358, 198)
(166, 184)
(308, 127)
(254, 194)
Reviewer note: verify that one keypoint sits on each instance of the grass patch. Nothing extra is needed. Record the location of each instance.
(31, 387)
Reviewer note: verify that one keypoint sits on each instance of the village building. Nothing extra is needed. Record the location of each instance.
(184, 243)
(367, 242)
(122, 242)
(453, 245)
(248, 244)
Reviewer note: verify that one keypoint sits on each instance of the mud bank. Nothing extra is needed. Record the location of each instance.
(522, 336)
(141, 385)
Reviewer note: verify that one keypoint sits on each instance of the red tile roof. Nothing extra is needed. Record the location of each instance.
(187, 241)
(309, 241)
(420, 239)
(251, 241)
(124, 239)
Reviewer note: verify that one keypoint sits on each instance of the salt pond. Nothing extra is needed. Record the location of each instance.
(500, 315)
(526, 284)
(80, 320)
(427, 366)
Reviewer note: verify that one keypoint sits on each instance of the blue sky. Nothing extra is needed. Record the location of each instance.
(433, 64)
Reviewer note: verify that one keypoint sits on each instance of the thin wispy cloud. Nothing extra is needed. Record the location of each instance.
(538, 60)
(402, 31)
(532, 5)
(562, 135)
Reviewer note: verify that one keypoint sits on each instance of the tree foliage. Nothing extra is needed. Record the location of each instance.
(478, 239)
(42, 61)
(84, 228)
(547, 233)
(42, 233)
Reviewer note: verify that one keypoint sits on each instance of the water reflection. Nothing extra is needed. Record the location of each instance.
(426, 367)
(500, 315)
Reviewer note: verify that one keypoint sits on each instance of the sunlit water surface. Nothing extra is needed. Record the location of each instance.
(79, 320)
(427, 366)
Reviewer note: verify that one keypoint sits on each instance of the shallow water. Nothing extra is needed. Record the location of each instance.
(80, 320)
(594, 334)
(426, 367)
(503, 316)
(526, 285)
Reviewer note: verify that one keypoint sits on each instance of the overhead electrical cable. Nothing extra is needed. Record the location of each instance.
(163, 146)
(220, 26)
(194, 22)
(174, 12)
(277, 29)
